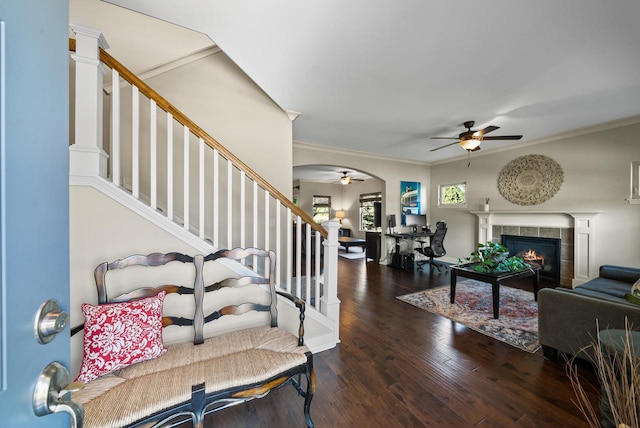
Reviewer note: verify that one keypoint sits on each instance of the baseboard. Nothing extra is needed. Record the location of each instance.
(321, 343)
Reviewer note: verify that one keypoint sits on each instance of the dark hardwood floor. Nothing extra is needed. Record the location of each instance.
(400, 366)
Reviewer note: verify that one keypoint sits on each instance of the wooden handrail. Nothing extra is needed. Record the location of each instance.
(150, 93)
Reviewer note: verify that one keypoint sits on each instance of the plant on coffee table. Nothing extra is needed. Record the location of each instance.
(494, 258)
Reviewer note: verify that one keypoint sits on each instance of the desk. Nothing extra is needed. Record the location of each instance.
(405, 260)
(412, 236)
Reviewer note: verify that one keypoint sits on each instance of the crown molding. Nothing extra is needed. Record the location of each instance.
(293, 115)
(337, 150)
(171, 65)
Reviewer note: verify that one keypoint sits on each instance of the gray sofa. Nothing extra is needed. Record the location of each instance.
(567, 317)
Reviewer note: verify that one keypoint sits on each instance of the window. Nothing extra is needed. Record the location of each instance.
(370, 211)
(321, 208)
(452, 195)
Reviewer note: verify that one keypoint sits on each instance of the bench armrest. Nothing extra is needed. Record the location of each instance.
(301, 307)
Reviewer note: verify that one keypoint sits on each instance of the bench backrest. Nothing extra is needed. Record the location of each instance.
(215, 294)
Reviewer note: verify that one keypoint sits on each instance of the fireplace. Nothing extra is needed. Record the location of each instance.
(544, 252)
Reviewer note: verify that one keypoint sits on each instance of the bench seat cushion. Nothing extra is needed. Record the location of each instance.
(232, 360)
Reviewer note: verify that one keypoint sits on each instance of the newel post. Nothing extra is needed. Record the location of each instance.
(330, 304)
(86, 155)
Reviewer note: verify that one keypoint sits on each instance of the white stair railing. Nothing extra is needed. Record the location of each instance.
(165, 160)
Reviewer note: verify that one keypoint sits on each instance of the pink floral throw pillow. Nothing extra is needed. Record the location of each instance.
(117, 335)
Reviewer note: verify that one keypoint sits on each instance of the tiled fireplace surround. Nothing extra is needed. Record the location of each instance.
(575, 230)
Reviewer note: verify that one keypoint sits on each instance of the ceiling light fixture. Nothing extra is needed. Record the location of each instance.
(345, 180)
(469, 144)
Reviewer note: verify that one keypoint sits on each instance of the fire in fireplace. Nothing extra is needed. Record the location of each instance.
(530, 256)
(544, 252)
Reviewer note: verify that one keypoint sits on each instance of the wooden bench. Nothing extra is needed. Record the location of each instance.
(245, 357)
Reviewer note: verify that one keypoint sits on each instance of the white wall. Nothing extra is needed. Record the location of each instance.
(390, 171)
(102, 230)
(221, 99)
(596, 169)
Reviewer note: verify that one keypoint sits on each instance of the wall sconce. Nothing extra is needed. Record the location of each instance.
(340, 215)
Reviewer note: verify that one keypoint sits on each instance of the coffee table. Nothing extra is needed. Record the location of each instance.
(494, 279)
(347, 242)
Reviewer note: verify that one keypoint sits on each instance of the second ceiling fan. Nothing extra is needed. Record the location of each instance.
(470, 140)
(345, 179)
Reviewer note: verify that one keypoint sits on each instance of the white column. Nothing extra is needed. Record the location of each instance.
(485, 229)
(86, 156)
(330, 304)
(583, 256)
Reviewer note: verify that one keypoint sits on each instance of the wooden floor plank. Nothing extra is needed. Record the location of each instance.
(400, 366)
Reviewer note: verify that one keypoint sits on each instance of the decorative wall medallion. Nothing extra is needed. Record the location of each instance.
(530, 180)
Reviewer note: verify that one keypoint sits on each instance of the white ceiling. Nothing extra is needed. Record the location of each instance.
(384, 76)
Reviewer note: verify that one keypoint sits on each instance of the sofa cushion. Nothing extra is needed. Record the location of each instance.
(601, 296)
(620, 273)
(603, 286)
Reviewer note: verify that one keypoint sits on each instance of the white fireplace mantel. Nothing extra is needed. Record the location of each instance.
(582, 222)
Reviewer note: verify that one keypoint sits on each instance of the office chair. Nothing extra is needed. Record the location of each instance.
(435, 249)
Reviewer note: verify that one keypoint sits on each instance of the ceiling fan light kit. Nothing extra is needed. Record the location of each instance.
(345, 179)
(470, 145)
(470, 140)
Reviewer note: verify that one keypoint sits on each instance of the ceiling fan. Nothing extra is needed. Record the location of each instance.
(470, 140)
(345, 179)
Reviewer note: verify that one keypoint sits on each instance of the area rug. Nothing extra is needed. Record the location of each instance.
(354, 253)
(518, 322)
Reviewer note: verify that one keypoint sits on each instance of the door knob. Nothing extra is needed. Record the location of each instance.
(50, 320)
(51, 394)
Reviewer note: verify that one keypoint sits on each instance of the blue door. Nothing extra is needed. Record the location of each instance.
(34, 202)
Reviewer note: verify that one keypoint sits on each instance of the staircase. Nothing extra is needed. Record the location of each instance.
(179, 178)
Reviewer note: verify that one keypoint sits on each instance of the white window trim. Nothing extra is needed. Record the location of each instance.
(441, 205)
(370, 198)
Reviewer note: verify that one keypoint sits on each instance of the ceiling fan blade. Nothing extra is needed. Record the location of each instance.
(446, 145)
(488, 129)
(503, 137)
(475, 150)
(445, 138)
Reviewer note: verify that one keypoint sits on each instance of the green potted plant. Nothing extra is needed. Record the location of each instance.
(492, 257)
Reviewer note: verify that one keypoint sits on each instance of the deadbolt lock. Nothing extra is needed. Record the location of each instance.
(50, 320)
